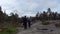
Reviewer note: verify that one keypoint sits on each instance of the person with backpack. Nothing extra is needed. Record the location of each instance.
(25, 22)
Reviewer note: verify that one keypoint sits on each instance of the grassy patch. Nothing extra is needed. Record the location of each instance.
(8, 30)
(4, 33)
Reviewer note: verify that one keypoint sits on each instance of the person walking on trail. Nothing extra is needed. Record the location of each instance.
(25, 22)
(29, 23)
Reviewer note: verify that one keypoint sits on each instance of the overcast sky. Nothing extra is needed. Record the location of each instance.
(29, 7)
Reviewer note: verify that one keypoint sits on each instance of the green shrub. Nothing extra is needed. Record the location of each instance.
(45, 23)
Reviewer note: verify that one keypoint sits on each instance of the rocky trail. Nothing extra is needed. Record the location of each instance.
(38, 28)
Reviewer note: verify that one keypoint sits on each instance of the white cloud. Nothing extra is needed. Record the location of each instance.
(29, 7)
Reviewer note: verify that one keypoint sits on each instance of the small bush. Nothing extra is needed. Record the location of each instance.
(57, 24)
(45, 23)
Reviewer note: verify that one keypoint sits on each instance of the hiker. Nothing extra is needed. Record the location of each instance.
(25, 22)
(29, 23)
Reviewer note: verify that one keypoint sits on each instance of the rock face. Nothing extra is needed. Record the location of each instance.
(38, 28)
